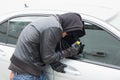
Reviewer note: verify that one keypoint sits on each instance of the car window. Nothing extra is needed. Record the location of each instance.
(16, 25)
(100, 46)
(3, 32)
(11, 29)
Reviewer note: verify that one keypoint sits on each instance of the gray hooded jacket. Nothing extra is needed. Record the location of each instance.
(37, 42)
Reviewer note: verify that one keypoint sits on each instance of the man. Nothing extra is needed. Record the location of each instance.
(37, 44)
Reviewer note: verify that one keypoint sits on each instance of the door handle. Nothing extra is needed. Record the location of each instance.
(71, 70)
(98, 54)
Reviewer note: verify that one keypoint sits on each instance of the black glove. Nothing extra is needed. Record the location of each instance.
(81, 48)
(71, 51)
(58, 66)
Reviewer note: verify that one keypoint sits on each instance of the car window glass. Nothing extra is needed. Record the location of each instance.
(100, 46)
(3, 32)
(16, 25)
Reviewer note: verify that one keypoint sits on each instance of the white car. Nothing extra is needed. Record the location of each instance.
(100, 59)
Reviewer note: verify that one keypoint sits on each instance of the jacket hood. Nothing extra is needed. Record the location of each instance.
(72, 22)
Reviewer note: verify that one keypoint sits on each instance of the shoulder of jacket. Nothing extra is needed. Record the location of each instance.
(57, 19)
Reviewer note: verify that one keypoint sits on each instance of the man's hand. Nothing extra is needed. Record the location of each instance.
(72, 51)
(81, 48)
(58, 66)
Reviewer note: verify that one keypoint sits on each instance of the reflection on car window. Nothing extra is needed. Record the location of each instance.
(92, 27)
(100, 46)
(3, 32)
(11, 29)
(16, 25)
(15, 28)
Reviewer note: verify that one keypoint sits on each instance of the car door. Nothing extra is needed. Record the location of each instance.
(9, 33)
(99, 60)
(5, 52)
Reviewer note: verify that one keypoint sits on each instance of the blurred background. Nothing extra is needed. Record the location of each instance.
(12, 5)
(104, 9)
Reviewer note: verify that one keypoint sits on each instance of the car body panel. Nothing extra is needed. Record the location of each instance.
(5, 54)
(78, 70)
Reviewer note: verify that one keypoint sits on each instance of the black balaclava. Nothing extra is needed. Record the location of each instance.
(73, 25)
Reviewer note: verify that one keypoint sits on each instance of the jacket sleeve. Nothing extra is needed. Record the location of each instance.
(50, 38)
